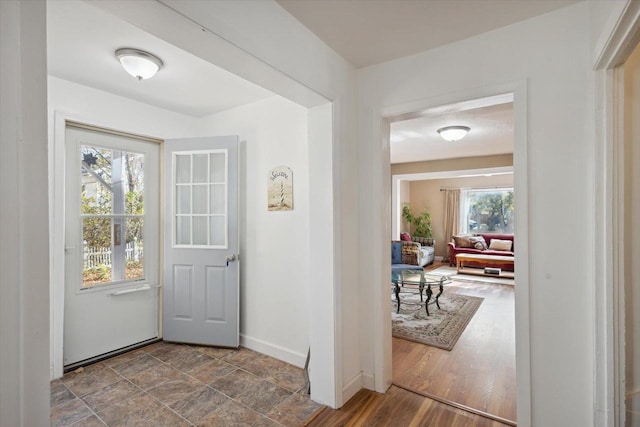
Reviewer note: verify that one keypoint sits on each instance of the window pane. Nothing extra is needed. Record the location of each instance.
(218, 228)
(200, 230)
(97, 161)
(218, 167)
(183, 199)
(489, 211)
(95, 189)
(97, 266)
(218, 202)
(200, 199)
(95, 198)
(183, 168)
(183, 230)
(200, 166)
(133, 176)
(134, 253)
(112, 184)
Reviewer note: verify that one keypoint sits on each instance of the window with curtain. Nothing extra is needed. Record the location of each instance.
(486, 210)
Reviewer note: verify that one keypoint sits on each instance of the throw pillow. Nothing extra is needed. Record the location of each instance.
(463, 241)
(405, 237)
(478, 242)
(500, 245)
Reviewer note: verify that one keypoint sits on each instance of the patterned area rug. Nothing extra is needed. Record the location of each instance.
(442, 328)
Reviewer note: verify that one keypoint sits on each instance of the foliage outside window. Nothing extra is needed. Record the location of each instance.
(487, 211)
(112, 212)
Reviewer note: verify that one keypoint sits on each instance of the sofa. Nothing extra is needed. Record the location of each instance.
(412, 254)
(481, 243)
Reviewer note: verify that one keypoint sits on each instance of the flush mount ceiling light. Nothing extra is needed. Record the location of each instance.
(453, 133)
(140, 64)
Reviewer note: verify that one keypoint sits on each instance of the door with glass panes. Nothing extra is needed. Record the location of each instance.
(111, 243)
(201, 268)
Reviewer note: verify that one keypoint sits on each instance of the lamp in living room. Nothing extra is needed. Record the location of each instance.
(453, 133)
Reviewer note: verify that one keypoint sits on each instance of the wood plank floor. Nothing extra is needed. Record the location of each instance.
(397, 408)
(479, 372)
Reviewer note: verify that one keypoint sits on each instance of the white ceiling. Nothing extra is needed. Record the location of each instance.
(491, 133)
(82, 40)
(375, 31)
(366, 32)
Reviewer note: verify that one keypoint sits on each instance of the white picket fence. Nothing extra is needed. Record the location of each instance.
(94, 257)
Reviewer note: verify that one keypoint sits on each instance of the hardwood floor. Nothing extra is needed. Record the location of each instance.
(396, 408)
(479, 372)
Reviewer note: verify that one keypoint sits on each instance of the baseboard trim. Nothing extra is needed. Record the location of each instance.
(351, 388)
(438, 258)
(368, 381)
(280, 353)
(101, 357)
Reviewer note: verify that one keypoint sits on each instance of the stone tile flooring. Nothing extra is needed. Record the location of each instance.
(167, 384)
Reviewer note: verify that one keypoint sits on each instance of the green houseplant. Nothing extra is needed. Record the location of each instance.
(421, 223)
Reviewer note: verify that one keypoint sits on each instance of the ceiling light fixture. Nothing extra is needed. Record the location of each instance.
(453, 133)
(140, 64)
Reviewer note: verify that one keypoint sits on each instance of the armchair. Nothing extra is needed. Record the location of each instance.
(420, 251)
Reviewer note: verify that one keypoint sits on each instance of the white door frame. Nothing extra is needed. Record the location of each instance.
(381, 316)
(57, 241)
(609, 303)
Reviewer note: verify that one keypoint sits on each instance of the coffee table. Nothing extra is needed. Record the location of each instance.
(418, 280)
(487, 260)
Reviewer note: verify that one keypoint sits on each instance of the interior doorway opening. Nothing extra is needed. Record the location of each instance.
(305, 132)
(421, 183)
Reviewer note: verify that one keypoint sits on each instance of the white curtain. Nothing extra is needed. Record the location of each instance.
(451, 217)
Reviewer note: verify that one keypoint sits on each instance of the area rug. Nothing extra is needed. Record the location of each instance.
(452, 273)
(442, 328)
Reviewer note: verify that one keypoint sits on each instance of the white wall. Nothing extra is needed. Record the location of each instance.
(115, 112)
(550, 57)
(274, 254)
(24, 252)
(401, 194)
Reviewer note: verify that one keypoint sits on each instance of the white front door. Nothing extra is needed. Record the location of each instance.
(201, 288)
(111, 243)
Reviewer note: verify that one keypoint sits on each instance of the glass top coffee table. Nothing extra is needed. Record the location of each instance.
(416, 280)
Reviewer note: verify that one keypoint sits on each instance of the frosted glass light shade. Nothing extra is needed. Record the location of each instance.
(140, 64)
(453, 133)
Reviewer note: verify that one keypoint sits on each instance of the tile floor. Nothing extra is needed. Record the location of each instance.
(167, 384)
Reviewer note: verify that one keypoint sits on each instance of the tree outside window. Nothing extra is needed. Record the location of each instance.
(487, 211)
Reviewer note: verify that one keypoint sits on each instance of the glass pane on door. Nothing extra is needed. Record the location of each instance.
(200, 191)
(112, 214)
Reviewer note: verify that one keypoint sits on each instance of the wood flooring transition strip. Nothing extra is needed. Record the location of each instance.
(459, 406)
(315, 415)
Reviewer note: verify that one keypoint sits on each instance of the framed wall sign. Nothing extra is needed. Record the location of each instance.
(280, 189)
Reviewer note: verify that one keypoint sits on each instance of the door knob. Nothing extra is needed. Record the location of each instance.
(231, 258)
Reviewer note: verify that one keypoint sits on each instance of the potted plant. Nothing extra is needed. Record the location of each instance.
(421, 223)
